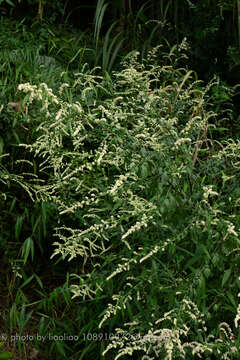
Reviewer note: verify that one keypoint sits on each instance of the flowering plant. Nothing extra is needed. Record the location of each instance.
(147, 197)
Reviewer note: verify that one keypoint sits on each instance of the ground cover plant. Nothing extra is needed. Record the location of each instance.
(145, 203)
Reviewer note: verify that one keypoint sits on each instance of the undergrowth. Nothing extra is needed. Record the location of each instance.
(146, 203)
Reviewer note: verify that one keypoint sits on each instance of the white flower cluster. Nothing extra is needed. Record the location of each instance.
(84, 291)
(181, 141)
(80, 204)
(184, 45)
(208, 191)
(122, 268)
(154, 251)
(34, 91)
(113, 309)
(118, 183)
(64, 85)
(231, 230)
(102, 154)
(39, 93)
(137, 226)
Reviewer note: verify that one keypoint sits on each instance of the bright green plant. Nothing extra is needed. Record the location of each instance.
(5, 354)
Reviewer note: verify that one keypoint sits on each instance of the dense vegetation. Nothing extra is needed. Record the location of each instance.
(119, 180)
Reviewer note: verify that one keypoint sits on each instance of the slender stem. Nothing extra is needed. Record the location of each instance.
(40, 10)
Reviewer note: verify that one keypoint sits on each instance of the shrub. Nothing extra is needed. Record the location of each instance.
(148, 201)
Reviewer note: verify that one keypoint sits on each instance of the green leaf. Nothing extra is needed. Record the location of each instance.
(27, 281)
(226, 276)
(39, 281)
(9, 2)
(203, 247)
(232, 299)
(60, 348)
(6, 355)
(27, 246)
(18, 226)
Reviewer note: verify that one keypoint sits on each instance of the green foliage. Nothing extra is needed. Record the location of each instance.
(109, 50)
(99, 14)
(5, 354)
(147, 202)
(9, 2)
(134, 176)
(105, 53)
